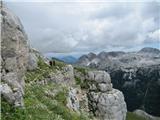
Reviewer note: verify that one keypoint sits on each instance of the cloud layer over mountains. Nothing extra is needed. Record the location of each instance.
(89, 26)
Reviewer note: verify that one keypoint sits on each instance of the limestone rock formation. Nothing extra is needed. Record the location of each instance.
(77, 100)
(136, 74)
(73, 101)
(14, 53)
(33, 61)
(105, 102)
(145, 115)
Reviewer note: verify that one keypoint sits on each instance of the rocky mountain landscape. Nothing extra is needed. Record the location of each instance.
(136, 74)
(33, 89)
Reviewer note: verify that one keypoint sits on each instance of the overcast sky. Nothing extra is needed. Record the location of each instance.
(81, 27)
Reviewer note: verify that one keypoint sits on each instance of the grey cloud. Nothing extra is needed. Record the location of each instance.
(115, 10)
(151, 10)
(67, 28)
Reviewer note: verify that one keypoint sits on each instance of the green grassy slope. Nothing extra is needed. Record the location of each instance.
(44, 102)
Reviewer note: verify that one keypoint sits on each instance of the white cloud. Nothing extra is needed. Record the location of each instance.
(88, 26)
(155, 36)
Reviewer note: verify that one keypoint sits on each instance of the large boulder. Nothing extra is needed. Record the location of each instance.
(105, 102)
(32, 62)
(14, 56)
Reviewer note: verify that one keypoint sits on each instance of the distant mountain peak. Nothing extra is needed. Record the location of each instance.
(149, 50)
(146, 56)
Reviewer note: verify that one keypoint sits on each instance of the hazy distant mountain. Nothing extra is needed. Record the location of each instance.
(115, 59)
(150, 50)
(68, 59)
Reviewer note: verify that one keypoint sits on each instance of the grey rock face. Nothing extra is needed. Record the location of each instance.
(73, 101)
(7, 93)
(105, 102)
(14, 53)
(140, 87)
(77, 100)
(99, 76)
(145, 115)
(32, 62)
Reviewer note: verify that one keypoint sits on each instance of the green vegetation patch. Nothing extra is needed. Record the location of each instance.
(59, 63)
(132, 116)
(42, 102)
(81, 70)
(84, 84)
(8, 112)
(42, 71)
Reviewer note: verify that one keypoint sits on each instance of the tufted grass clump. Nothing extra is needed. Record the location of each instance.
(9, 112)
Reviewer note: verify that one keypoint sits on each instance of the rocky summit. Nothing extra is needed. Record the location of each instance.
(105, 102)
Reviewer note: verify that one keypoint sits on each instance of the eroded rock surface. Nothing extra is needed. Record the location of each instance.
(14, 53)
(105, 102)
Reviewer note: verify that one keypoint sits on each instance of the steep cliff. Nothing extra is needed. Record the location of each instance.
(140, 86)
(14, 56)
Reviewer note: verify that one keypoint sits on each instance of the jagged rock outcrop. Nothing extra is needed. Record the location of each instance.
(136, 74)
(105, 102)
(33, 59)
(14, 56)
(73, 101)
(77, 100)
